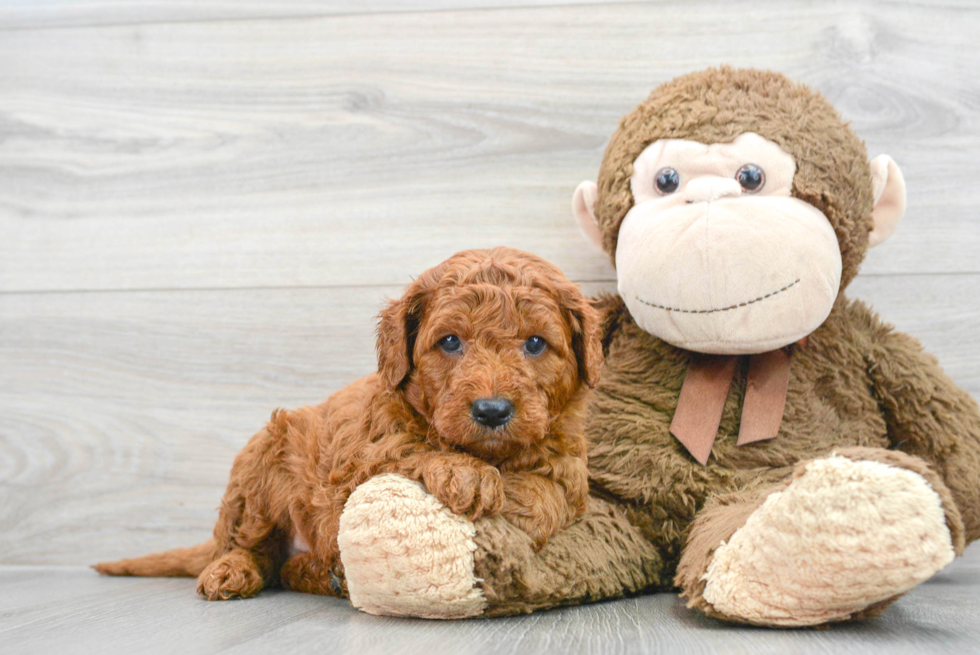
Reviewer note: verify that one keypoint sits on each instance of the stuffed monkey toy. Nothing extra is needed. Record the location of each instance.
(757, 440)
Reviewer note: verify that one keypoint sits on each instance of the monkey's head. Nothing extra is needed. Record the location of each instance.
(736, 206)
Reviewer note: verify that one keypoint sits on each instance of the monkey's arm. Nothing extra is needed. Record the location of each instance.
(929, 416)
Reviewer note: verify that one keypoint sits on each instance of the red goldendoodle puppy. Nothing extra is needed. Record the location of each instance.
(480, 395)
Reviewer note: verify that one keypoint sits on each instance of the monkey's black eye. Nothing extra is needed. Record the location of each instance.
(667, 181)
(751, 177)
(450, 344)
(535, 345)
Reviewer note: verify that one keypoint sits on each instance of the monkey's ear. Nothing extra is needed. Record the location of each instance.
(583, 206)
(888, 187)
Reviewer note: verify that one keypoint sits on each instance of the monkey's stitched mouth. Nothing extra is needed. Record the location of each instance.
(721, 309)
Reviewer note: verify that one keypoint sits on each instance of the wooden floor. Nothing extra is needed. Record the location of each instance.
(52, 610)
(203, 205)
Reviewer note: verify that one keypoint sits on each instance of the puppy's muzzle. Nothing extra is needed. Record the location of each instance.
(492, 412)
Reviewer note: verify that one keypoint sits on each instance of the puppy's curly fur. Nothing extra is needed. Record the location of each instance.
(413, 417)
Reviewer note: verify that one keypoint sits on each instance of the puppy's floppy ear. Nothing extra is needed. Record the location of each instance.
(398, 326)
(586, 332)
(394, 358)
(612, 314)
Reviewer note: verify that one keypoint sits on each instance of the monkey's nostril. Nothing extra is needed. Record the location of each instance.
(492, 412)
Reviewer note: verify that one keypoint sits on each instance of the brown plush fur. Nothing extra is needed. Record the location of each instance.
(413, 418)
(858, 387)
(599, 556)
(718, 105)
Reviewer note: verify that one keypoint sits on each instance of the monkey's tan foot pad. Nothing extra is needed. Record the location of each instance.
(841, 537)
(405, 554)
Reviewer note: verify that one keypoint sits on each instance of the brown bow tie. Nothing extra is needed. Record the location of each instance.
(705, 389)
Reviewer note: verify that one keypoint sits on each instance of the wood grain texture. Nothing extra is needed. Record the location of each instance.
(40, 14)
(355, 150)
(122, 412)
(50, 609)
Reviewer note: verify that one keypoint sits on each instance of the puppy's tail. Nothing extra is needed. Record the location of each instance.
(176, 563)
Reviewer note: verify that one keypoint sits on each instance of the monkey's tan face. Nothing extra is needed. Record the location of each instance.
(716, 256)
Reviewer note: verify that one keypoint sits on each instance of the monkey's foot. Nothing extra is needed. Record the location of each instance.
(844, 539)
(405, 554)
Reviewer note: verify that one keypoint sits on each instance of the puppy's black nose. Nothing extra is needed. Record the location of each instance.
(492, 412)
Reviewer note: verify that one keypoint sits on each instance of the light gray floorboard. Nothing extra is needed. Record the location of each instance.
(51, 609)
(361, 149)
(37, 14)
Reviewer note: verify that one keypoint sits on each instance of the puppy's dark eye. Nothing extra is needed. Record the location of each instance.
(535, 345)
(751, 177)
(450, 343)
(667, 181)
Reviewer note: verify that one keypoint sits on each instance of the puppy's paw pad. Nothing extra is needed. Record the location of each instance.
(405, 554)
(841, 537)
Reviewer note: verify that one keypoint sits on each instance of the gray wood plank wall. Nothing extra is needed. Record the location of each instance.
(203, 205)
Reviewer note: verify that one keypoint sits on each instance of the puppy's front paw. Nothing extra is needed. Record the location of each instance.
(539, 527)
(472, 491)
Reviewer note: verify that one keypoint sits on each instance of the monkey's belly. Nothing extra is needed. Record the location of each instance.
(634, 459)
